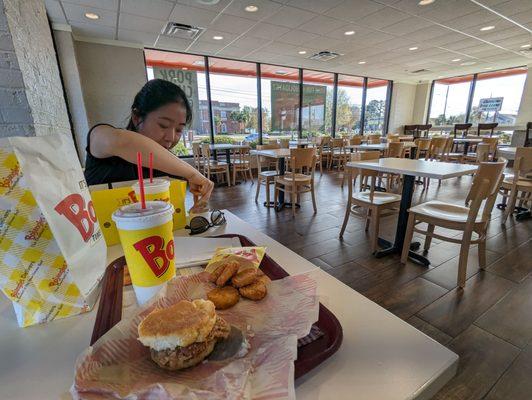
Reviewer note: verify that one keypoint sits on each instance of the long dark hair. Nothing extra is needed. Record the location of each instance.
(154, 94)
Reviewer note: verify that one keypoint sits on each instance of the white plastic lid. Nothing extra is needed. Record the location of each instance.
(157, 186)
(134, 217)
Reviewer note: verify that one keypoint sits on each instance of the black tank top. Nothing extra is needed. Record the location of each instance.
(111, 169)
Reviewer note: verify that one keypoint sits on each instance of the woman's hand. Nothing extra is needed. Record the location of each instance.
(201, 188)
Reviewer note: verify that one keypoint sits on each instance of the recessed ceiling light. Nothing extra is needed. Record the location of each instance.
(525, 46)
(208, 2)
(217, 37)
(281, 72)
(426, 2)
(302, 52)
(456, 60)
(487, 28)
(441, 76)
(90, 15)
(488, 67)
(349, 33)
(413, 48)
(251, 8)
(361, 62)
(469, 63)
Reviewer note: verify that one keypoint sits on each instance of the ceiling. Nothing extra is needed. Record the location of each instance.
(385, 31)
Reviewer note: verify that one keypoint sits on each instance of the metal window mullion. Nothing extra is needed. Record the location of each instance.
(209, 102)
(388, 104)
(300, 116)
(363, 111)
(427, 119)
(335, 99)
(470, 99)
(259, 104)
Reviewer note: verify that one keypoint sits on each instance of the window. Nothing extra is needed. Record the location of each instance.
(188, 72)
(349, 104)
(449, 100)
(234, 100)
(375, 109)
(317, 106)
(497, 96)
(280, 101)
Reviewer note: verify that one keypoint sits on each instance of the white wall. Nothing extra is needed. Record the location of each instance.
(525, 109)
(31, 94)
(421, 103)
(402, 106)
(110, 76)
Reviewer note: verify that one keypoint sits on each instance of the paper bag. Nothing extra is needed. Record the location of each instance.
(52, 252)
(106, 201)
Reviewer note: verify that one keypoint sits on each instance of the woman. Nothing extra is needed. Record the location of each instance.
(159, 113)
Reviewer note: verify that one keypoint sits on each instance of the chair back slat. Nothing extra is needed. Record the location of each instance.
(355, 140)
(374, 139)
(396, 150)
(489, 172)
(487, 127)
(301, 159)
(285, 143)
(483, 152)
(523, 161)
(437, 148)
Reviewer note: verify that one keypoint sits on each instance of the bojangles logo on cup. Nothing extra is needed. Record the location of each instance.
(156, 253)
(81, 216)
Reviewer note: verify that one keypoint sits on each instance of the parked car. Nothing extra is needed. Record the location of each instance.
(254, 137)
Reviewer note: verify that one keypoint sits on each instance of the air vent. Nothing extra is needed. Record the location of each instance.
(324, 56)
(182, 31)
(419, 71)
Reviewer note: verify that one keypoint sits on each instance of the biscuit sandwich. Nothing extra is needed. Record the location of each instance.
(182, 335)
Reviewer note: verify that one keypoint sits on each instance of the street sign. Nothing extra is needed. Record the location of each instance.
(490, 104)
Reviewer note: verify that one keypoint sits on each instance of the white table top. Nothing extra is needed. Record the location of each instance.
(381, 357)
(380, 146)
(406, 166)
(507, 152)
(467, 140)
(272, 153)
(227, 146)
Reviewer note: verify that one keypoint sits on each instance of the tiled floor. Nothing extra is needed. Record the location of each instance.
(488, 324)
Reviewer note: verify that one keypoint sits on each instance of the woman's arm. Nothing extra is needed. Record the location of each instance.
(106, 141)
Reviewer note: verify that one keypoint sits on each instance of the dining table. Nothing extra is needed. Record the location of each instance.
(410, 169)
(381, 356)
(300, 143)
(382, 147)
(227, 147)
(467, 141)
(280, 155)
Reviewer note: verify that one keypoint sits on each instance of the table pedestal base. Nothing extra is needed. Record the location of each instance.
(389, 249)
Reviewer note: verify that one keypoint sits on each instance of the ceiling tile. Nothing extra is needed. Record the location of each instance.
(290, 17)
(429, 33)
(280, 48)
(110, 5)
(317, 6)
(513, 7)
(359, 32)
(232, 51)
(297, 37)
(76, 13)
(267, 31)
(445, 11)
(322, 25)
(209, 34)
(249, 43)
(55, 12)
(171, 43)
(141, 24)
(158, 9)
(382, 18)
(219, 6)
(407, 26)
(266, 8)
(192, 15)
(354, 10)
(92, 30)
(205, 47)
(147, 39)
(229, 23)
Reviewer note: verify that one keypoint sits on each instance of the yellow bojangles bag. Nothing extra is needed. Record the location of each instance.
(52, 252)
(106, 201)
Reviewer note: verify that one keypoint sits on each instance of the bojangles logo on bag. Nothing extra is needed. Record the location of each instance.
(10, 179)
(156, 253)
(81, 215)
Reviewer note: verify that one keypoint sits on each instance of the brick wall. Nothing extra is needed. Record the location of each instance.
(31, 94)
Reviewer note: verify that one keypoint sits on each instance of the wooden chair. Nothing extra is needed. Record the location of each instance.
(214, 167)
(482, 155)
(196, 154)
(395, 150)
(518, 186)
(300, 179)
(266, 178)
(492, 143)
(338, 153)
(410, 130)
(460, 131)
(323, 152)
(284, 143)
(466, 219)
(241, 160)
(392, 138)
(438, 151)
(355, 140)
(374, 203)
(267, 162)
(487, 127)
(423, 130)
(374, 139)
(528, 137)
(422, 147)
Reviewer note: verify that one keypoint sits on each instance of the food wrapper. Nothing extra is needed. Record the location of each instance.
(246, 257)
(119, 366)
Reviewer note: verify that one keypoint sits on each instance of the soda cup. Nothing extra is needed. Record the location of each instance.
(158, 190)
(148, 243)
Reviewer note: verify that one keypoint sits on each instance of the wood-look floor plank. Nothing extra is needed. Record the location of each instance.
(483, 359)
(515, 265)
(458, 309)
(511, 318)
(429, 330)
(348, 272)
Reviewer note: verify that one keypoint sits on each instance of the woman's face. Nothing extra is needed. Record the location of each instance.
(164, 125)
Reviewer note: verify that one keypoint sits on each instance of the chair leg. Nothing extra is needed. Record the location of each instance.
(228, 173)
(313, 198)
(375, 230)
(267, 191)
(368, 219)
(510, 206)
(428, 238)
(258, 189)
(482, 254)
(462, 260)
(293, 197)
(275, 193)
(346, 217)
(408, 237)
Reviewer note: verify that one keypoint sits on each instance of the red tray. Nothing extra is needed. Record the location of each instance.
(308, 356)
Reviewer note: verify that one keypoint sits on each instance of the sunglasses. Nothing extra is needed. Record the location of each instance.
(201, 224)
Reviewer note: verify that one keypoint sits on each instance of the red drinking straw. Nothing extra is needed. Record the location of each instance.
(151, 167)
(141, 180)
